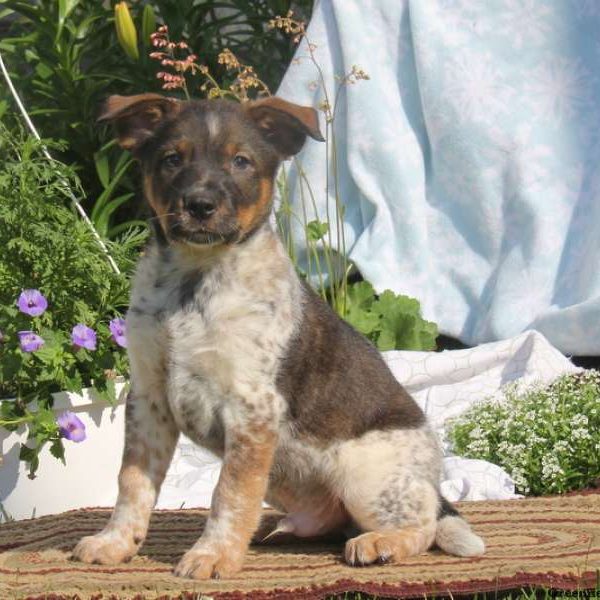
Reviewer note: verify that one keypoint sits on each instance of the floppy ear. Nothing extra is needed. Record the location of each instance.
(136, 117)
(283, 124)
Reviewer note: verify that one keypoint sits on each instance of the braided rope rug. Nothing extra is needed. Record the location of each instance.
(552, 542)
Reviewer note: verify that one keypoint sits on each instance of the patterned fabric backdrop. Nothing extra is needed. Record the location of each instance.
(470, 161)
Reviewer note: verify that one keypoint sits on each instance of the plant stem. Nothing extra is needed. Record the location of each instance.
(25, 419)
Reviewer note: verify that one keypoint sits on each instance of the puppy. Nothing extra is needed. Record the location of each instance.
(228, 346)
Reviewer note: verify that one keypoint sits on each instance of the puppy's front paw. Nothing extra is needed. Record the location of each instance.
(206, 561)
(105, 548)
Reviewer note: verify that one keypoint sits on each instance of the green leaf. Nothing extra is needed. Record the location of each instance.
(103, 218)
(429, 333)
(102, 168)
(11, 365)
(316, 230)
(148, 24)
(65, 7)
(363, 321)
(52, 348)
(26, 453)
(82, 29)
(402, 327)
(30, 456)
(106, 389)
(74, 383)
(57, 450)
(360, 294)
(136, 226)
(11, 311)
(106, 195)
(359, 298)
(46, 420)
(389, 302)
(43, 71)
(398, 332)
(10, 411)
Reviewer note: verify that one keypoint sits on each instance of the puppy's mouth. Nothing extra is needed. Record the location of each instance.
(181, 229)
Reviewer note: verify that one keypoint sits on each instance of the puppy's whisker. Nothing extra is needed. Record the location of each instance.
(157, 217)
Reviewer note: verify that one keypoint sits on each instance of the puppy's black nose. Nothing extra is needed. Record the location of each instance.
(200, 207)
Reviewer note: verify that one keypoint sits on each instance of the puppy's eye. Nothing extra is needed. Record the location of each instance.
(171, 159)
(241, 161)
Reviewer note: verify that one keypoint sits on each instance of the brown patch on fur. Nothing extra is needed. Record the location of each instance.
(185, 147)
(157, 207)
(335, 382)
(243, 482)
(386, 546)
(251, 215)
(230, 150)
(285, 125)
(136, 117)
(237, 502)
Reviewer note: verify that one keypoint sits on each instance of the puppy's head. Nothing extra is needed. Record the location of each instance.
(208, 166)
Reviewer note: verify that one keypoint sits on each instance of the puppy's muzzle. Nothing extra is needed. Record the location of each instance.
(202, 200)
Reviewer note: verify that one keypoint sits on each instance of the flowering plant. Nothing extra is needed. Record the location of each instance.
(547, 438)
(59, 301)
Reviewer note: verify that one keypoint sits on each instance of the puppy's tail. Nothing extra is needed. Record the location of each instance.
(453, 534)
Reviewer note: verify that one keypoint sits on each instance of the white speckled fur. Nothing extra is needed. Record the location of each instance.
(221, 360)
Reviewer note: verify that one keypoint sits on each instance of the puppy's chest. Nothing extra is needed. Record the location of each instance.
(219, 337)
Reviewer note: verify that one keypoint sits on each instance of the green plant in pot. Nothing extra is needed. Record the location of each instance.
(60, 299)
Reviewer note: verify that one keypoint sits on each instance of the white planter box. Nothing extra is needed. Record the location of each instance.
(89, 478)
(92, 466)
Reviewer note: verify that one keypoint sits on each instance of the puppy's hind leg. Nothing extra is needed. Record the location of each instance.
(150, 438)
(399, 522)
(394, 502)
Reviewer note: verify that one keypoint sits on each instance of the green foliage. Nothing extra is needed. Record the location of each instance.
(390, 321)
(65, 59)
(316, 230)
(546, 438)
(111, 176)
(46, 247)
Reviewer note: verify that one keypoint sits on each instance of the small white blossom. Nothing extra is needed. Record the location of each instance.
(580, 434)
(551, 467)
(579, 420)
(562, 446)
(477, 433)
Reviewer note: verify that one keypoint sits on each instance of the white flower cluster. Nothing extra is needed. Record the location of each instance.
(551, 468)
(547, 438)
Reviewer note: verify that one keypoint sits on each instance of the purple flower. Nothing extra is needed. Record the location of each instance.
(71, 427)
(83, 337)
(119, 333)
(29, 341)
(32, 303)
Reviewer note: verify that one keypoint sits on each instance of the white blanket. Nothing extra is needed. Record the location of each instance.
(445, 385)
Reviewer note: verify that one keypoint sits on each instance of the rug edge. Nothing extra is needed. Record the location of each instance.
(405, 590)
